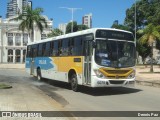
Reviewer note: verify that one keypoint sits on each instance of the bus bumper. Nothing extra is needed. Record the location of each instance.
(99, 82)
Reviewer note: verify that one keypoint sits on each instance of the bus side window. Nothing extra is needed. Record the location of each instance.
(47, 51)
(40, 50)
(43, 49)
(28, 51)
(35, 50)
(70, 46)
(65, 47)
(55, 48)
(78, 46)
(60, 47)
(51, 48)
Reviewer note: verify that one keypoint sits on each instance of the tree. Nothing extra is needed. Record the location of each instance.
(82, 27)
(122, 27)
(69, 27)
(55, 32)
(143, 50)
(31, 18)
(147, 11)
(150, 35)
(75, 27)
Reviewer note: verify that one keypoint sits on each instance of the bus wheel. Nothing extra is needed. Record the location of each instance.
(39, 77)
(74, 83)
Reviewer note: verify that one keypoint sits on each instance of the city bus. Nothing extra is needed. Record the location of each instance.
(97, 57)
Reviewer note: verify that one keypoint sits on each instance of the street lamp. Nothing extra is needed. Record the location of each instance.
(72, 11)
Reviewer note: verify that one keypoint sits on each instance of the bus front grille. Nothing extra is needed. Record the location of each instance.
(117, 71)
(116, 82)
(115, 77)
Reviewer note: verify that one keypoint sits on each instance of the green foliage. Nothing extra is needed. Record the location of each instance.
(75, 27)
(4, 86)
(69, 27)
(82, 27)
(150, 34)
(55, 32)
(147, 11)
(122, 27)
(143, 50)
(147, 25)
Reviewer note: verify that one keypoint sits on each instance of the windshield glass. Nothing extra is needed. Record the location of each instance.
(117, 54)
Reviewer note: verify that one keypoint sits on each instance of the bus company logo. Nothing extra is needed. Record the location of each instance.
(117, 76)
(42, 62)
(6, 114)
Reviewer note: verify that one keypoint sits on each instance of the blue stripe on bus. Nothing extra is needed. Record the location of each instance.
(42, 62)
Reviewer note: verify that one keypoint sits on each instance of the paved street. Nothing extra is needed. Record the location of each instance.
(28, 94)
(25, 95)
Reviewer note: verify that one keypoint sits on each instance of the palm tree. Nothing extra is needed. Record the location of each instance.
(30, 18)
(150, 35)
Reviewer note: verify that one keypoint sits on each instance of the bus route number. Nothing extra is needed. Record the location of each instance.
(100, 82)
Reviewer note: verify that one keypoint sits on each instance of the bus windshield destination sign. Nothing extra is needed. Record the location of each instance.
(110, 34)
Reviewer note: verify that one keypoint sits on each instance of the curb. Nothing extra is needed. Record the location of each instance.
(148, 83)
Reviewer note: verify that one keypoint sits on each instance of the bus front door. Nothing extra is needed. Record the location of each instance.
(87, 61)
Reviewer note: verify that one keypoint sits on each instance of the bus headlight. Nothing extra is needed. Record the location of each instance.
(99, 74)
(132, 75)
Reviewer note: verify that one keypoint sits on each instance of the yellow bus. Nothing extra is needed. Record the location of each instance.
(97, 57)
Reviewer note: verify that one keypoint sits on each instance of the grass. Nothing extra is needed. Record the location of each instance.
(4, 86)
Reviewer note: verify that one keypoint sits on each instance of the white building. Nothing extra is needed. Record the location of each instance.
(13, 41)
(87, 20)
(62, 27)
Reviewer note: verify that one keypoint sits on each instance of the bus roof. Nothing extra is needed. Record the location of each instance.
(83, 32)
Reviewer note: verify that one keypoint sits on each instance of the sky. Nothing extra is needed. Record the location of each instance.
(104, 12)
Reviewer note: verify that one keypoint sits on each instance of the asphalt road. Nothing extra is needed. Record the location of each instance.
(140, 98)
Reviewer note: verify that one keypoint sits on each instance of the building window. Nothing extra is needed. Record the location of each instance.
(43, 36)
(10, 39)
(10, 56)
(25, 39)
(18, 55)
(18, 39)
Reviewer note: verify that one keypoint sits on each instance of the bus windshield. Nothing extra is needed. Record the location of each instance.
(116, 54)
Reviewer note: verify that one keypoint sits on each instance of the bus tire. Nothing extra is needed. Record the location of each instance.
(74, 83)
(39, 76)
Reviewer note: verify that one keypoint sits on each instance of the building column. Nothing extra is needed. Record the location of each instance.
(14, 41)
(14, 56)
(21, 39)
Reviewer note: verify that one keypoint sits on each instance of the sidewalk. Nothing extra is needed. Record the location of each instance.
(143, 77)
(12, 66)
(24, 96)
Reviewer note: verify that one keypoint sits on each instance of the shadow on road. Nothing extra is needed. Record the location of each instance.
(56, 85)
(108, 91)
